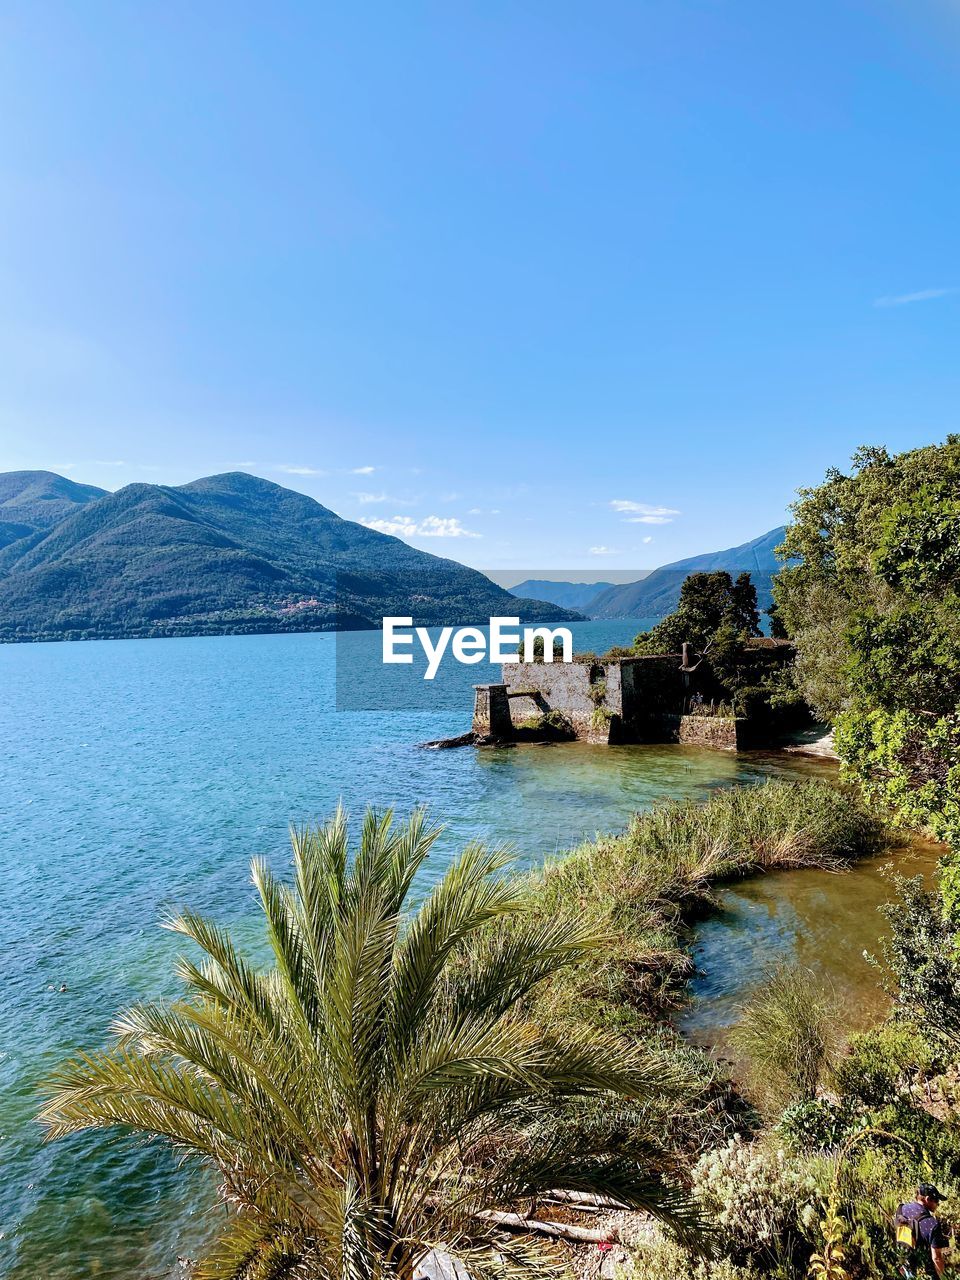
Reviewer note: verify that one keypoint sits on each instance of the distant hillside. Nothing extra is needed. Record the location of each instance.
(37, 500)
(230, 553)
(571, 595)
(659, 593)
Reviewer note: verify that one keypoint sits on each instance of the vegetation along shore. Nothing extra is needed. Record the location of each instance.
(490, 1078)
(461, 1077)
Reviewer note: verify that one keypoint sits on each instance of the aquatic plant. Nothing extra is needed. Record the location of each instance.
(376, 1093)
(638, 888)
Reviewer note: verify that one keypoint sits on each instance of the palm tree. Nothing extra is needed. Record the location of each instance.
(382, 1089)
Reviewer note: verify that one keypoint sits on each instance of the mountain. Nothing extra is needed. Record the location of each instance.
(571, 595)
(229, 553)
(31, 501)
(659, 592)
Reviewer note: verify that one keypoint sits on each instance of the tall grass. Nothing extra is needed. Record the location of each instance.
(788, 1032)
(639, 888)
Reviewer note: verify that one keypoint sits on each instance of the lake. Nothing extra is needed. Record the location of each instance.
(140, 774)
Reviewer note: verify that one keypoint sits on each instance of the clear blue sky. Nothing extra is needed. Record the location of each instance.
(567, 277)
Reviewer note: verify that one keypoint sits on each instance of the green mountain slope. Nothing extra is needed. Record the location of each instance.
(659, 592)
(31, 501)
(230, 553)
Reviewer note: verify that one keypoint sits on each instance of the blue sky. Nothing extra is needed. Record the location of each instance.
(533, 284)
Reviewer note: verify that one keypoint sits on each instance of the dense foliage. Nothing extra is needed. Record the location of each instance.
(710, 605)
(871, 599)
(718, 617)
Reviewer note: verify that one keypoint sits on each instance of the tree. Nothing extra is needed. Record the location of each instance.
(870, 599)
(709, 602)
(382, 1090)
(879, 551)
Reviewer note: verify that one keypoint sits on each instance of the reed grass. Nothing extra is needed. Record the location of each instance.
(642, 887)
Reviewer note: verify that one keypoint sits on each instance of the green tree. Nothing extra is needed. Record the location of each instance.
(382, 1088)
(709, 602)
(879, 549)
(870, 598)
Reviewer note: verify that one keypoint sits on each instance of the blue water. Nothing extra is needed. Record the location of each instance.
(139, 774)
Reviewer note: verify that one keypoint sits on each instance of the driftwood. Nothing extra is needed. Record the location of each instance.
(555, 1230)
(584, 1200)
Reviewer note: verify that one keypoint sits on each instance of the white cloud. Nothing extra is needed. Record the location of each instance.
(366, 498)
(646, 540)
(603, 551)
(428, 527)
(100, 462)
(903, 299)
(300, 471)
(643, 512)
(362, 471)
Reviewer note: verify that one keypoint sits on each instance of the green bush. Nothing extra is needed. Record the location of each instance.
(763, 1201)
(816, 1124)
(663, 1259)
(879, 1063)
(598, 691)
(907, 762)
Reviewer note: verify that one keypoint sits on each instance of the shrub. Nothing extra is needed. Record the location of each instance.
(923, 955)
(663, 1259)
(598, 691)
(787, 1031)
(908, 763)
(816, 1124)
(879, 1063)
(601, 717)
(762, 1201)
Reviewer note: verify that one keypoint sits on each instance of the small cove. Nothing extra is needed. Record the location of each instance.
(822, 920)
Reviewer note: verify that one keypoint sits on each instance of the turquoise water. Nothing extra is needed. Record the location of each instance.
(140, 774)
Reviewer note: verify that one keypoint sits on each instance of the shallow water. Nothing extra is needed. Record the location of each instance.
(824, 921)
(139, 774)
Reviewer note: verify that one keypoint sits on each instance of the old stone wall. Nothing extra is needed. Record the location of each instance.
(720, 732)
(491, 711)
(576, 689)
(627, 700)
(639, 699)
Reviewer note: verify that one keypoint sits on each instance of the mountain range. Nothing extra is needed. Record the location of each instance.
(657, 593)
(570, 595)
(224, 554)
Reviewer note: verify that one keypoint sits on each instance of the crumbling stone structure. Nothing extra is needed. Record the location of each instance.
(633, 699)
